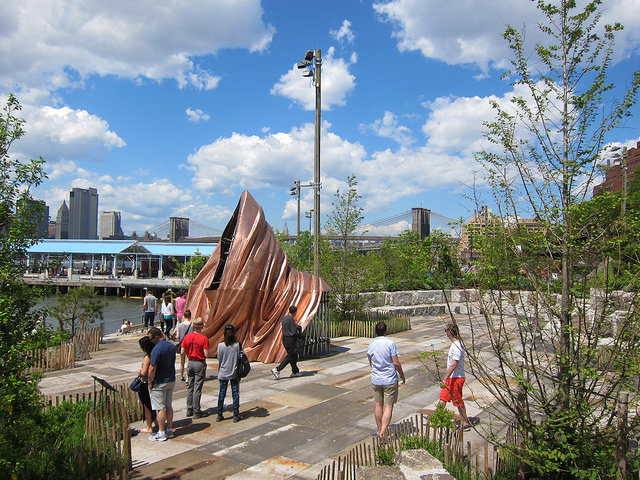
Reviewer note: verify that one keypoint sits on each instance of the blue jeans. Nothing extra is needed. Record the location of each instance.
(235, 393)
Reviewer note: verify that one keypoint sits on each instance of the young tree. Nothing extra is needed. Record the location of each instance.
(547, 371)
(300, 252)
(190, 268)
(78, 307)
(19, 398)
(341, 265)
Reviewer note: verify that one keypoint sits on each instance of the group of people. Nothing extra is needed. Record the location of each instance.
(386, 368)
(171, 311)
(159, 374)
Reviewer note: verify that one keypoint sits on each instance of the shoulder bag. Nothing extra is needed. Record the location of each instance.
(136, 385)
(244, 367)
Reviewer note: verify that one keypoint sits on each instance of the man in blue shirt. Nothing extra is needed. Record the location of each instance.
(385, 368)
(162, 380)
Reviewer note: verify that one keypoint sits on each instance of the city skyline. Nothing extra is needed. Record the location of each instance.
(174, 111)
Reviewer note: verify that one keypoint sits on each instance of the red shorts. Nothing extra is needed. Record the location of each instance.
(453, 391)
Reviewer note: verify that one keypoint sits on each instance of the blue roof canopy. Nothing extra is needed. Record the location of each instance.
(114, 247)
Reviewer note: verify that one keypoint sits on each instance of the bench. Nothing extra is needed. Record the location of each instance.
(131, 328)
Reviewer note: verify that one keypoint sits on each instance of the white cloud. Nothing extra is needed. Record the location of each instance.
(64, 133)
(470, 31)
(197, 115)
(61, 42)
(388, 127)
(344, 33)
(336, 83)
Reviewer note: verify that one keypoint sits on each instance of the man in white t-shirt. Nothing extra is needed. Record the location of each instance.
(454, 377)
(385, 368)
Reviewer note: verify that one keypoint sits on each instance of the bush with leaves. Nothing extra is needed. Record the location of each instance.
(19, 399)
(544, 364)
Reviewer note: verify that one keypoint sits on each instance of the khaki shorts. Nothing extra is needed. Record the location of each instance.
(162, 395)
(385, 393)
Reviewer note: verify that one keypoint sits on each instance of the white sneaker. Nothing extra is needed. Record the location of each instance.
(276, 373)
(158, 437)
(299, 374)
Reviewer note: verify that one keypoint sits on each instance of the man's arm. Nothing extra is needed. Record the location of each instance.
(398, 365)
(152, 375)
(206, 353)
(452, 367)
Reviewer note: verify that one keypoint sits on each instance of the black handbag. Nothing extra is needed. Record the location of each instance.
(244, 367)
(136, 385)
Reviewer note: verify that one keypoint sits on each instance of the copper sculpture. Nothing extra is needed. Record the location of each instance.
(248, 283)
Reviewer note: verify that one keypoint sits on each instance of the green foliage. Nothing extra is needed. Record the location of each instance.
(410, 263)
(343, 266)
(385, 456)
(49, 442)
(77, 307)
(191, 267)
(442, 418)
(19, 399)
(552, 381)
(300, 252)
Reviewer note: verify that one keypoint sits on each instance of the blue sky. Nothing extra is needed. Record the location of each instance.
(174, 108)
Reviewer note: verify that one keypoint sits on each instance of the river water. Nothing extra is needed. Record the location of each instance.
(117, 310)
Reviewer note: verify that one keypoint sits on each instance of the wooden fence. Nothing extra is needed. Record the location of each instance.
(106, 453)
(483, 458)
(85, 341)
(367, 328)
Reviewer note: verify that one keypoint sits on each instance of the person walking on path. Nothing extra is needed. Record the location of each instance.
(195, 346)
(385, 369)
(162, 380)
(454, 378)
(180, 302)
(149, 307)
(182, 329)
(290, 333)
(146, 345)
(228, 353)
(168, 314)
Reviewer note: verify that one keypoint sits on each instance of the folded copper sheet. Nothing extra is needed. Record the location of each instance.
(248, 283)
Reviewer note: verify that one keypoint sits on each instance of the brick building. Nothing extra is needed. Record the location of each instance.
(615, 172)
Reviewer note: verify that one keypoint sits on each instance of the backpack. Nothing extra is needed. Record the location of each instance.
(244, 367)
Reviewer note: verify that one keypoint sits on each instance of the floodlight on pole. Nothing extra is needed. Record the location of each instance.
(313, 63)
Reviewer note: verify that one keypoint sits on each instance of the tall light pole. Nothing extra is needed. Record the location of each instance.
(295, 190)
(313, 63)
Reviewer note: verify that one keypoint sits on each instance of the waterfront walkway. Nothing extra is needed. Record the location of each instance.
(290, 428)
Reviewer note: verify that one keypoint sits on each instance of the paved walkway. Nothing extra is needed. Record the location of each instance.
(290, 427)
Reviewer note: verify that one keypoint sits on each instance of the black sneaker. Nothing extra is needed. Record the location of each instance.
(189, 412)
(236, 419)
(220, 418)
(200, 414)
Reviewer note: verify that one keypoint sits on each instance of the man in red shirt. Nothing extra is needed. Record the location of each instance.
(195, 346)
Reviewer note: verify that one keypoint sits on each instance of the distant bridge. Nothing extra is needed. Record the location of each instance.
(377, 230)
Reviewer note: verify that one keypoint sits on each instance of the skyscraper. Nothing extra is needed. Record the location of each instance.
(83, 213)
(62, 221)
(110, 226)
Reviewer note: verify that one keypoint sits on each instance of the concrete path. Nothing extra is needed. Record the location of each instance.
(290, 428)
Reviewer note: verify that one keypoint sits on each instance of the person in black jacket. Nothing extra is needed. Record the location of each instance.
(290, 333)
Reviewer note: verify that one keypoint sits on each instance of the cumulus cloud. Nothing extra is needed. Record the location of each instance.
(59, 43)
(336, 80)
(470, 31)
(388, 127)
(197, 115)
(344, 33)
(65, 133)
